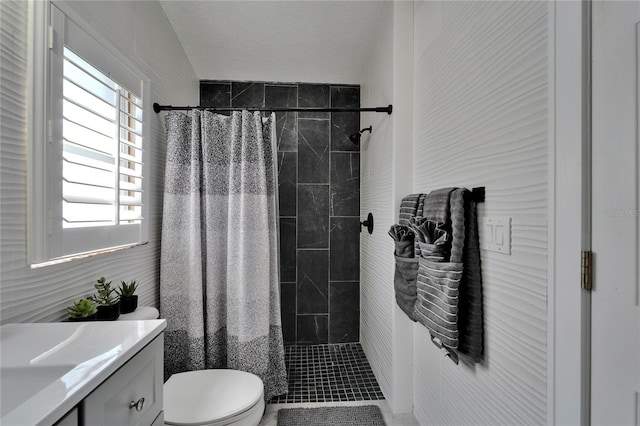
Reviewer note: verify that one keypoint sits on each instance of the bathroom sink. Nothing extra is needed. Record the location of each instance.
(46, 369)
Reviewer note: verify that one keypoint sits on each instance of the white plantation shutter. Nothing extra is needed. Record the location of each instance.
(90, 155)
(95, 158)
(102, 148)
(130, 171)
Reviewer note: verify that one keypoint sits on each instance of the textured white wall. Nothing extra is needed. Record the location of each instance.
(481, 120)
(376, 195)
(386, 176)
(147, 39)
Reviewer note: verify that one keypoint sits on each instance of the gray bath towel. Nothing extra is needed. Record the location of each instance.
(438, 292)
(455, 212)
(420, 211)
(408, 208)
(448, 289)
(436, 206)
(437, 252)
(470, 322)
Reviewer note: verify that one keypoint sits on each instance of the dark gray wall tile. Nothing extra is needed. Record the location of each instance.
(344, 124)
(313, 151)
(286, 122)
(314, 95)
(345, 184)
(287, 182)
(287, 131)
(287, 249)
(288, 311)
(313, 282)
(344, 312)
(312, 329)
(345, 249)
(276, 95)
(345, 96)
(215, 94)
(313, 216)
(247, 95)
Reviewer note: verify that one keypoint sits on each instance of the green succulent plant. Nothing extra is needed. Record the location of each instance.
(105, 295)
(127, 290)
(82, 308)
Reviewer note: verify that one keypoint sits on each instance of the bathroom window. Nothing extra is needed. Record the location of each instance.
(89, 174)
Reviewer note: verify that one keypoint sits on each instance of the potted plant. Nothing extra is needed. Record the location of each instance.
(128, 300)
(108, 302)
(83, 310)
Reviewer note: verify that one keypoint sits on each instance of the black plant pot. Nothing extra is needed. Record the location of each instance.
(89, 318)
(109, 313)
(128, 304)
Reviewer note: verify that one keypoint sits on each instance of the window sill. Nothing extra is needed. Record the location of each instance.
(85, 255)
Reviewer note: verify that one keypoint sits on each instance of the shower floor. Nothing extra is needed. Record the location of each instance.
(326, 373)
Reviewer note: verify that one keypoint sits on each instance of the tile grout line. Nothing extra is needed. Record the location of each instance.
(329, 328)
(295, 322)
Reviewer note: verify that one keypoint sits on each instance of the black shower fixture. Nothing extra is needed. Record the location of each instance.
(355, 138)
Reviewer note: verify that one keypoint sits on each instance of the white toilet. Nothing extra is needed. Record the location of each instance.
(209, 397)
(213, 397)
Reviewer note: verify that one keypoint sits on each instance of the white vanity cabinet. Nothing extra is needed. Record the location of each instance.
(132, 395)
(82, 373)
(70, 419)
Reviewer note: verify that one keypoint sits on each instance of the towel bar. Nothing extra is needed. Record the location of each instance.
(477, 194)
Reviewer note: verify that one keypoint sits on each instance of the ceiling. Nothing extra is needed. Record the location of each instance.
(285, 41)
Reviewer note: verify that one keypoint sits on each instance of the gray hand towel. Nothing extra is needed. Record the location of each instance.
(431, 237)
(403, 238)
(404, 283)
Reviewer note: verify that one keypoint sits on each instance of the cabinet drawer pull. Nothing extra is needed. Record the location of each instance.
(138, 405)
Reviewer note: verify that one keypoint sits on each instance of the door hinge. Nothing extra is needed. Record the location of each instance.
(587, 270)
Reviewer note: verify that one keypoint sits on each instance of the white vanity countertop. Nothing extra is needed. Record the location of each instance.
(46, 369)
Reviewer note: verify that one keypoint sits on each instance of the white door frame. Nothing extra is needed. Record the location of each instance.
(568, 309)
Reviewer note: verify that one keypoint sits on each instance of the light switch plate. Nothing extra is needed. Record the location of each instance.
(497, 234)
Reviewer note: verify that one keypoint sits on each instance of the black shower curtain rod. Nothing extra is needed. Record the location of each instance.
(157, 108)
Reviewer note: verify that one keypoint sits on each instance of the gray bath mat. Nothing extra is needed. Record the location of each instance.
(365, 415)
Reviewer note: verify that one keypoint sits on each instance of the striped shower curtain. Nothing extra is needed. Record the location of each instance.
(219, 259)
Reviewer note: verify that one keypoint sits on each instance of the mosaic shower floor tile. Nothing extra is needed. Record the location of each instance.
(326, 373)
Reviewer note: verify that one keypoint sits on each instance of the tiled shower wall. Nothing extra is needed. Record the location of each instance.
(319, 193)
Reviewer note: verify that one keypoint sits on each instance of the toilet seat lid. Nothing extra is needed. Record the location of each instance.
(204, 396)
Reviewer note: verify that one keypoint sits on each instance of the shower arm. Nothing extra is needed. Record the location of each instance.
(157, 108)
